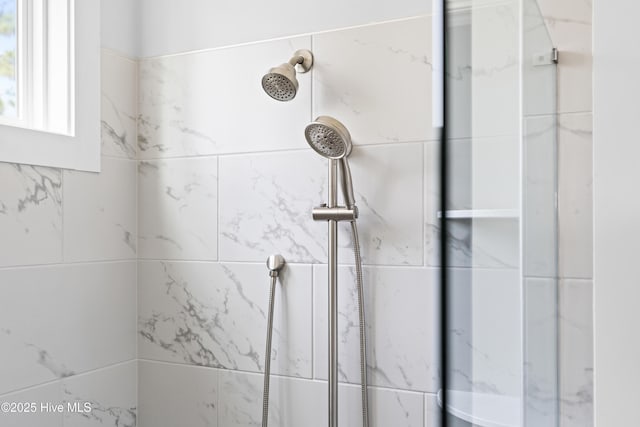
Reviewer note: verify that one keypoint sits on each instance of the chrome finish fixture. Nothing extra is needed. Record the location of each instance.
(302, 59)
(275, 263)
(280, 82)
(331, 139)
(362, 328)
(323, 213)
(333, 297)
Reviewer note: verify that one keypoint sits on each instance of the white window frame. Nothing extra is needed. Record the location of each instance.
(79, 148)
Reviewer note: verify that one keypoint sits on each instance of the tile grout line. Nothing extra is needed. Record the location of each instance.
(63, 255)
(285, 38)
(425, 198)
(218, 208)
(313, 322)
(137, 171)
(281, 376)
(70, 377)
(288, 150)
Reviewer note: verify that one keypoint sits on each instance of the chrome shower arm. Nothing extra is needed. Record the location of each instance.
(295, 60)
(303, 58)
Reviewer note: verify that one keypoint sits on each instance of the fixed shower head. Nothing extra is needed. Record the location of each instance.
(280, 83)
(331, 139)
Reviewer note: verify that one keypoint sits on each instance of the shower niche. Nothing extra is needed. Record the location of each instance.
(500, 209)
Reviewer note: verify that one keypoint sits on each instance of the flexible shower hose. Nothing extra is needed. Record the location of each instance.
(363, 331)
(267, 354)
(363, 336)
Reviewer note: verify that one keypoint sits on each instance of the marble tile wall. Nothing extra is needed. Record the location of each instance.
(225, 178)
(570, 26)
(173, 148)
(236, 185)
(68, 265)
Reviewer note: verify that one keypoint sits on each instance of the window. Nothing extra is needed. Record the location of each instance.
(49, 83)
(36, 64)
(8, 52)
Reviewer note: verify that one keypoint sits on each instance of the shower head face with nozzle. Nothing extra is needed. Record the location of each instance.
(329, 138)
(280, 83)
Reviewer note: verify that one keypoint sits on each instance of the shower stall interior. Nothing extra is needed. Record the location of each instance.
(142, 290)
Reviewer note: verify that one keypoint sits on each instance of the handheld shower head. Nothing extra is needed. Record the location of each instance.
(280, 83)
(331, 139)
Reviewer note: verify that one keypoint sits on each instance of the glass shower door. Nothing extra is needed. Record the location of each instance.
(499, 210)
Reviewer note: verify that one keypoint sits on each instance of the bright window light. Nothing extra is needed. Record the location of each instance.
(8, 64)
(36, 64)
(50, 83)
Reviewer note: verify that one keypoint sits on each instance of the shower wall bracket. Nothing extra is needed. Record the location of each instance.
(339, 213)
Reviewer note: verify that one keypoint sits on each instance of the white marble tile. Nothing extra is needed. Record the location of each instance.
(482, 183)
(484, 243)
(486, 331)
(495, 184)
(214, 315)
(540, 243)
(177, 395)
(212, 102)
(495, 76)
(83, 318)
(178, 209)
(389, 194)
(295, 402)
(459, 76)
(541, 351)
(489, 45)
(494, 70)
(575, 194)
(401, 306)
(51, 392)
(266, 202)
(119, 105)
(163, 30)
(495, 173)
(570, 27)
(100, 212)
(292, 402)
(539, 78)
(576, 353)
(432, 411)
(265, 206)
(460, 345)
(458, 198)
(387, 407)
(110, 393)
(30, 215)
(377, 79)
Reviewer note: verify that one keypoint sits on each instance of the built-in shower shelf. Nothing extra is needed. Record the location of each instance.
(481, 213)
(483, 409)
